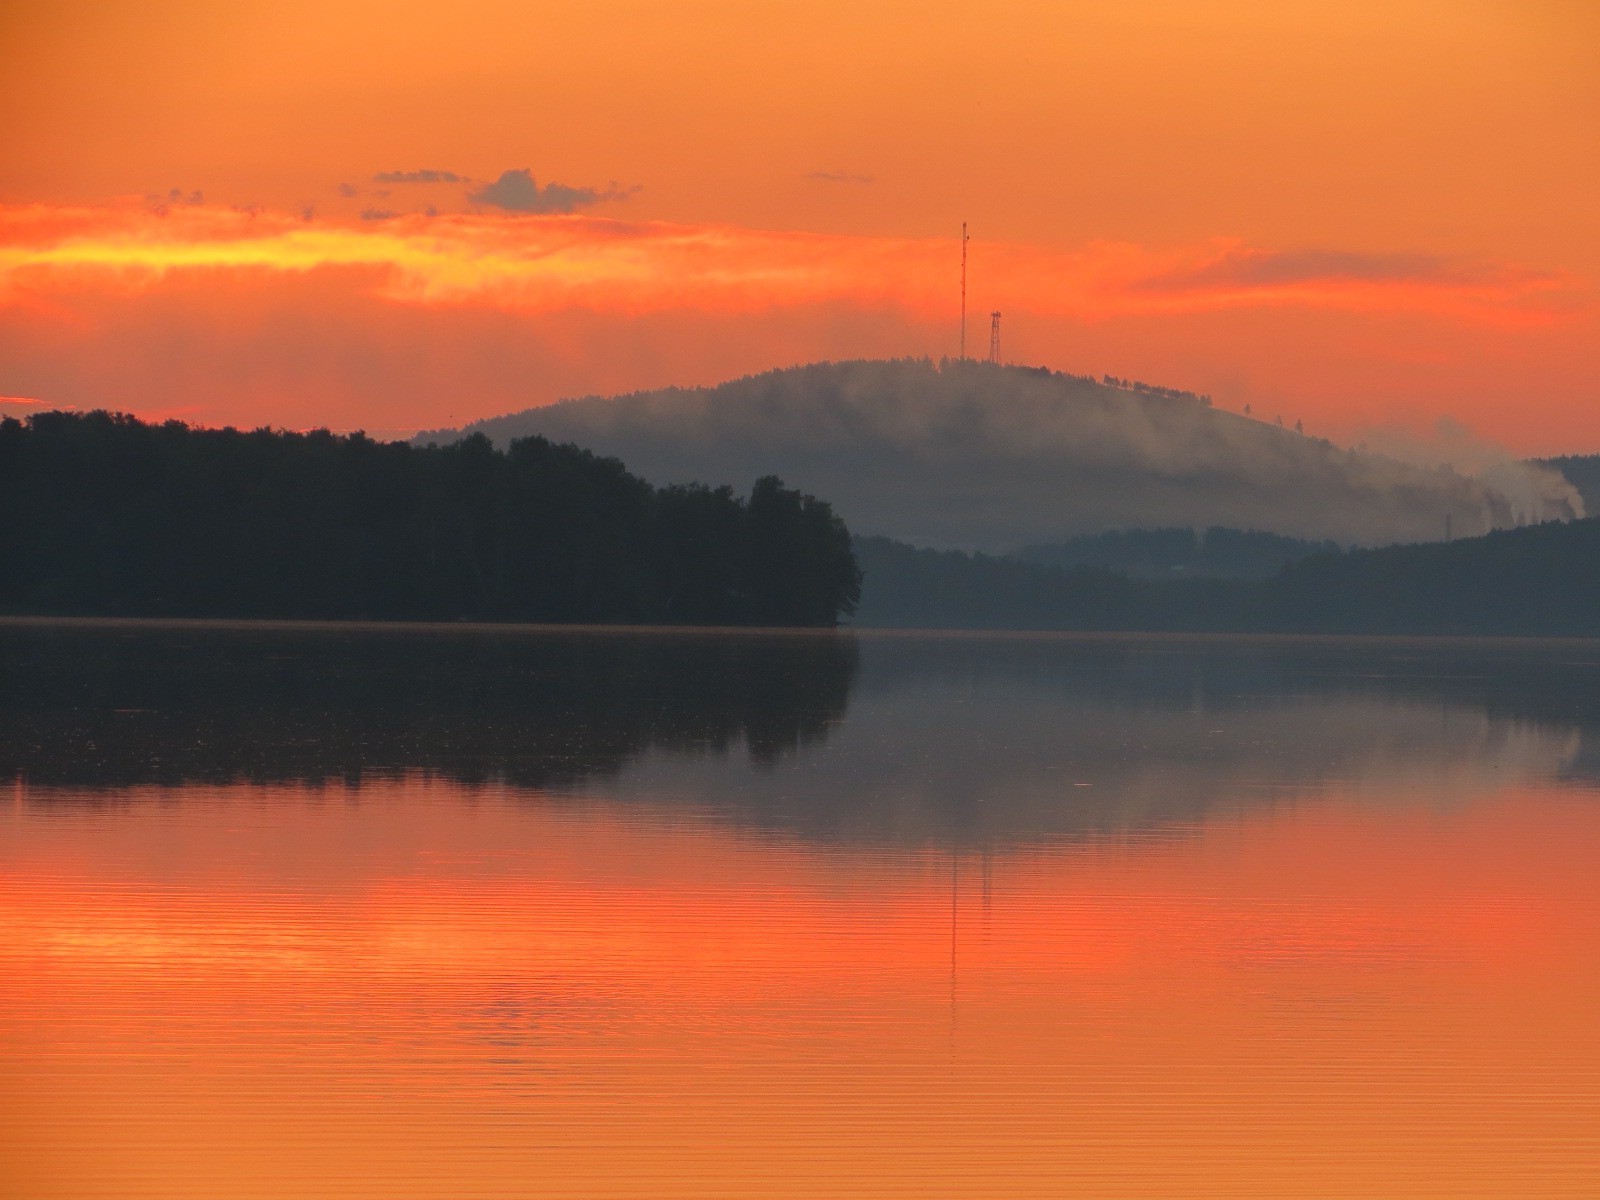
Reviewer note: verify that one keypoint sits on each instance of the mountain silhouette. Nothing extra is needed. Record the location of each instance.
(971, 456)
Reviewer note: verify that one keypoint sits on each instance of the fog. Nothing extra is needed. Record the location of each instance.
(973, 456)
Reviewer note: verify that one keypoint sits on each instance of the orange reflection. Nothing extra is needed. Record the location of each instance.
(1340, 998)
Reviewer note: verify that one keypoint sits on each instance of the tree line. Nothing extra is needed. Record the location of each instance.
(1539, 580)
(103, 514)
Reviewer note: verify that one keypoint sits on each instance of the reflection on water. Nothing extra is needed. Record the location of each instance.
(921, 738)
(469, 913)
(108, 705)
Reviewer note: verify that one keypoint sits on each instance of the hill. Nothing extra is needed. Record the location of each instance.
(106, 515)
(970, 455)
(1540, 580)
(1214, 553)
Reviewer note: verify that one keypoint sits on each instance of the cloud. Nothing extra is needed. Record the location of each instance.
(839, 177)
(690, 303)
(538, 265)
(1233, 273)
(163, 202)
(518, 191)
(348, 190)
(426, 175)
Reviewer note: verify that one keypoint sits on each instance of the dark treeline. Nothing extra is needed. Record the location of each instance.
(102, 514)
(1541, 580)
(1151, 389)
(907, 587)
(1179, 553)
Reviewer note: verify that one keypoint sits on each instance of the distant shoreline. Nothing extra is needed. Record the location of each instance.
(489, 628)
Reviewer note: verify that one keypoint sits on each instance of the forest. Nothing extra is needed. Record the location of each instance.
(102, 514)
(1539, 580)
(1176, 553)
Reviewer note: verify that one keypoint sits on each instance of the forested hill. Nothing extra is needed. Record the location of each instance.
(1180, 553)
(979, 456)
(102, 514)
(1541, 580)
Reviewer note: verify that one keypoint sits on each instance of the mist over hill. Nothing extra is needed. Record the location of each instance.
(1582, 471)
(976, 456)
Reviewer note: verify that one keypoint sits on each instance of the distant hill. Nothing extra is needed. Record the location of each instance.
(975, 456)
(904, 587)
(1214, 553)
(1539, 580)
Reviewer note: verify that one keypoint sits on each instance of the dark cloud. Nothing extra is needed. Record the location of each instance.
(174, 197)
(426, 175)
(348, 190)
(1268, 268)
(377, 214)
(518, 191)
(839, 177)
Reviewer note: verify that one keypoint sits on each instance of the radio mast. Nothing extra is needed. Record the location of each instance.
(963, 291)
(994, 338)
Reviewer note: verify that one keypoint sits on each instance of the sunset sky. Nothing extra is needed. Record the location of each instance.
(392, 216)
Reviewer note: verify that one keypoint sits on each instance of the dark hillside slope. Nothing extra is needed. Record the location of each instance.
(1537, 581)
(1213, 553)
(976, 456)
(1542, 580)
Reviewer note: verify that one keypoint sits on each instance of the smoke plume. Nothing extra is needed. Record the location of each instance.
(1535, 492)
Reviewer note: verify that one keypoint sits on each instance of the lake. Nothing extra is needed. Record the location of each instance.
(471, 912)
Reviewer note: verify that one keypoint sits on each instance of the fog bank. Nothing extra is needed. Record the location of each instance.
(973, 456)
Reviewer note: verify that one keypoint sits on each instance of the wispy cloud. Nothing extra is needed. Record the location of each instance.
(839, 177)
(1234, 273)
(548, 259)
(287, 319)
(426, 175)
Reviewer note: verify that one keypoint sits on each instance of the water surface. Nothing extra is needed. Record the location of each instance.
(464, 912)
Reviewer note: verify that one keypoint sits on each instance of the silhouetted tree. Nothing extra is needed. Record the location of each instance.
(104, 514)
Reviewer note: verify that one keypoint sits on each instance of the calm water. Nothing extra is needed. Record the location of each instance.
(471, 913)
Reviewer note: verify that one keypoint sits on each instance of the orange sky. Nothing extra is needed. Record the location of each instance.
(1358, 214)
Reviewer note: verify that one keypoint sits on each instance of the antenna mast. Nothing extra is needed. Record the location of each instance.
(963, 291)
(994, 338)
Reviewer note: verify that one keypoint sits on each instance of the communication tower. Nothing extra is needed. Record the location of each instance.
(994, 338)
(963, 291)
